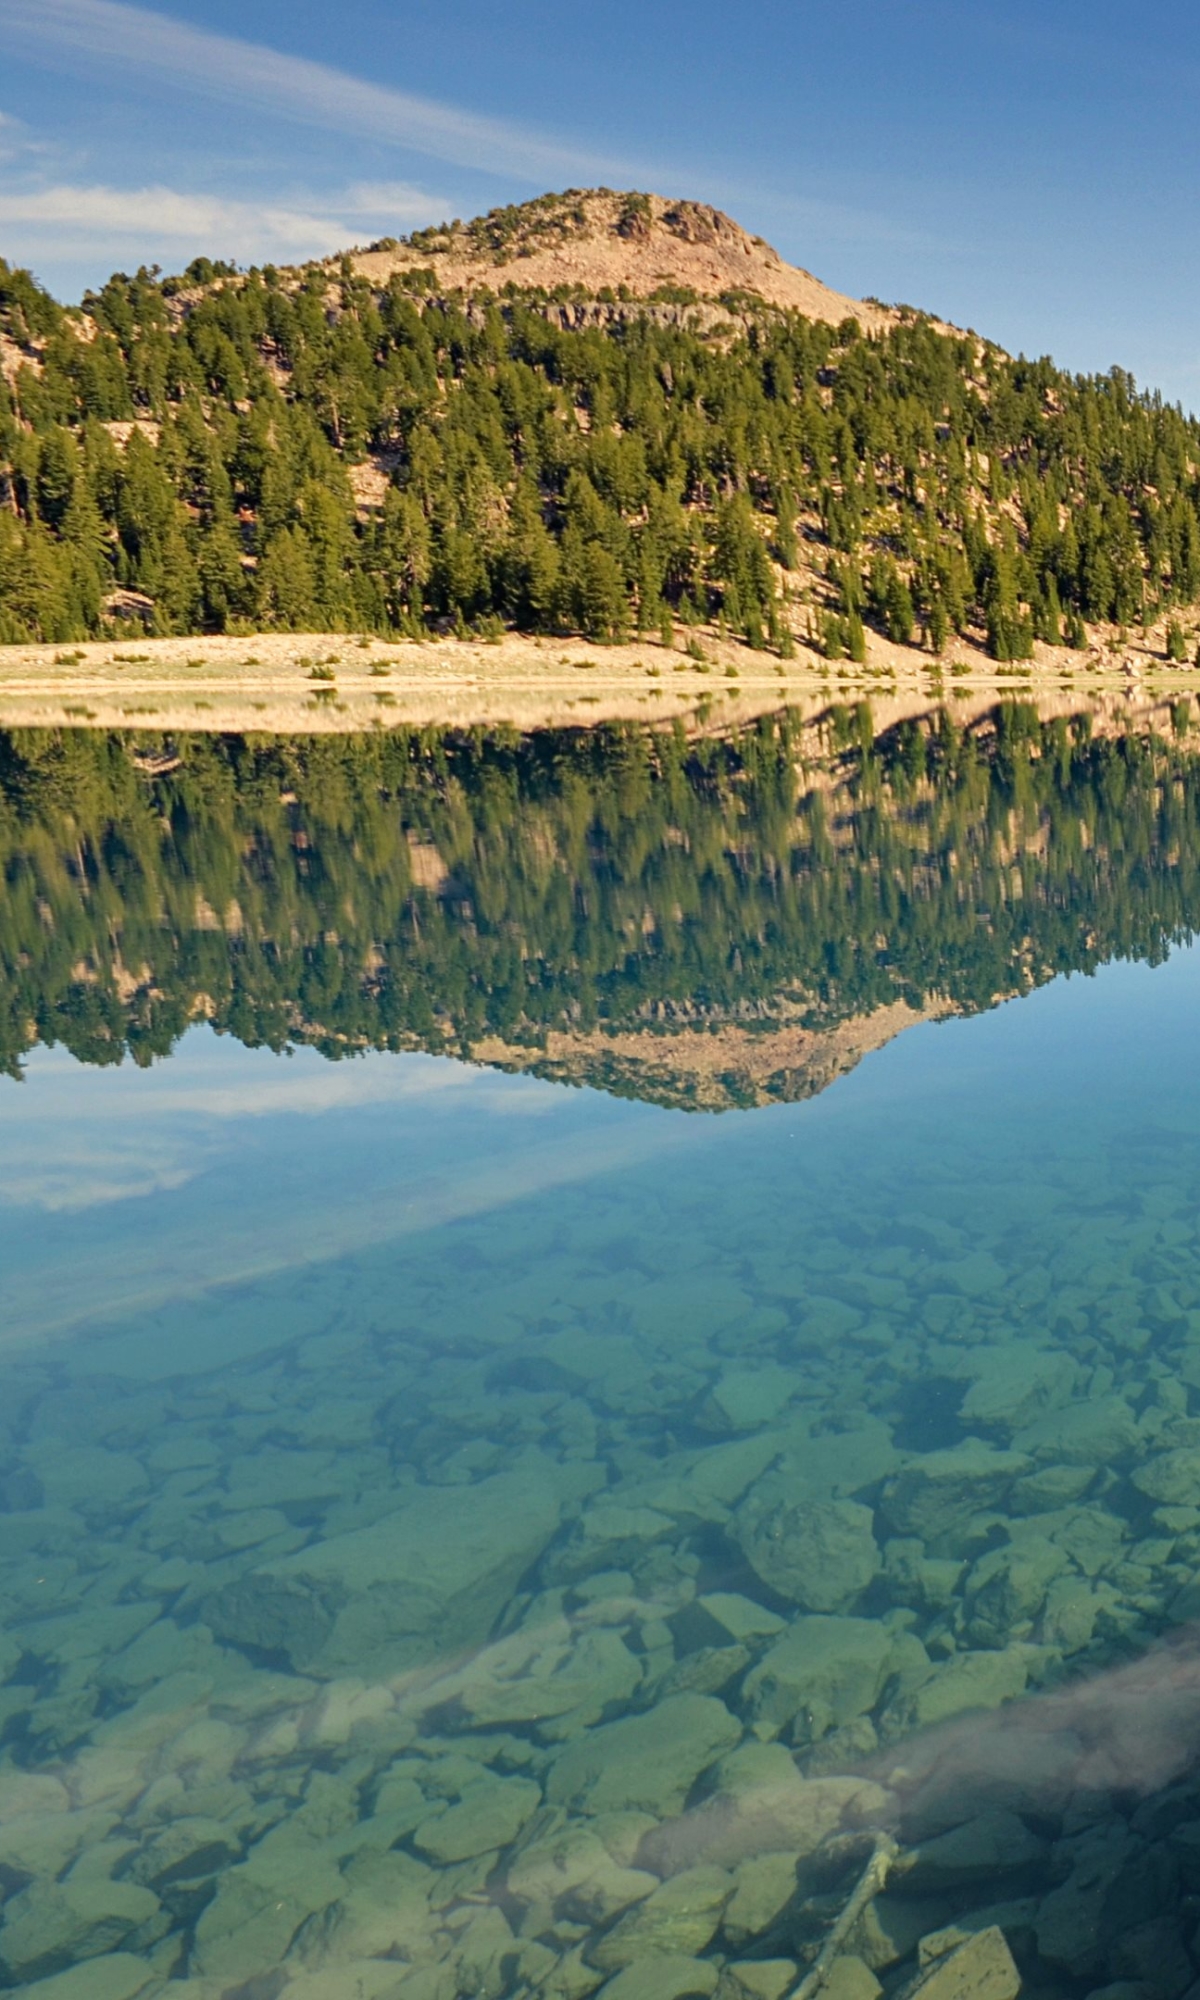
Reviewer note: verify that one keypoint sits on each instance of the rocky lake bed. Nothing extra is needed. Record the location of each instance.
(575, 1605)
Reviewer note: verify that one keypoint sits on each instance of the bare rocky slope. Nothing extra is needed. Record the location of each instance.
(712, 1067)
(595, 242)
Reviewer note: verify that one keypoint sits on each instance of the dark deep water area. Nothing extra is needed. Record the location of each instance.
(601, 1345)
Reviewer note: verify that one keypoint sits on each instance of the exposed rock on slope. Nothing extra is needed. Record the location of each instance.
(598, 242)
(711, 1067)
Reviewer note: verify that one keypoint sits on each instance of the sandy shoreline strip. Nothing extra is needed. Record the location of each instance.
(331, 683)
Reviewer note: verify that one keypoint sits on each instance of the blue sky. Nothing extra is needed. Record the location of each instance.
(1026, 170)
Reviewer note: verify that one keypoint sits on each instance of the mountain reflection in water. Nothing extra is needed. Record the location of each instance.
(703, 921)
(461, 1537)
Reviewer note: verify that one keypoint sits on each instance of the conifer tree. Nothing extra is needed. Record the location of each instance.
(220, 577)
(286, 583)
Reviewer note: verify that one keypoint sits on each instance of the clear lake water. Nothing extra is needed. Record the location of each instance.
(480, 1516)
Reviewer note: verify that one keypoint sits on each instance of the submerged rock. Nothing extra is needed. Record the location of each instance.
(765, 1885)
(821, 1554)
(1049, 1487)
(681, 1917)
(1115, 1881)
(980, 1969)
(976, 1274)
(821, 1672)
(889, 1928)
(426, 1579)
(1171, 1477)
(540, 1675)
(1070, 1613)
(1006, 1588)
(971, 1680)
(745, 1399)
(851, 1979)
(49, 1926)
(271, 1616)
(1014, 1382)
(1014, 1918)
(260, 1906)
(185, 1852)
(570, 1868)
(119, 1976)
(934, 1496)
(1154, 1958)
(758, 1979)
(383, 1913)
(667, 1977)
(488, 1816)
(483, 1953)
(648, 1762)
(41, 1844)
(981, 1850)
(917, 1580)
(1093, 1431)
(741, 1617)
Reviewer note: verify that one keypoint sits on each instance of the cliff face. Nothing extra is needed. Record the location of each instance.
(599, 242)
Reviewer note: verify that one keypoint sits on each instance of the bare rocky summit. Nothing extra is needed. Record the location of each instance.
(595, 243)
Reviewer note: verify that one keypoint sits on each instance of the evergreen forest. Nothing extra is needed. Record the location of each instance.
(191, 453)
(603, 879)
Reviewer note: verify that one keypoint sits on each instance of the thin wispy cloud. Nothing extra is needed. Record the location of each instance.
(66, 217)
(72, 1142)
(136, 40)
(17, 145)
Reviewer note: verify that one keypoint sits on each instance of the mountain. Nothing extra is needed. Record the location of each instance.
(597, 413)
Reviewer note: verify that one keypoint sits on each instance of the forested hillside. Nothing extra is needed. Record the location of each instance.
(322, 449)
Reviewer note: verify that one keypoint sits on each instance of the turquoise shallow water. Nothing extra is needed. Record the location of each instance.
(463, 1535)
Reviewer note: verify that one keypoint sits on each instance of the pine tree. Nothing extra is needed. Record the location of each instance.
(286, 583)
(58, 473)
(939, 626)
(401, 557)
(220, 576)
(601, 605)
(898, 611)
(833, 638)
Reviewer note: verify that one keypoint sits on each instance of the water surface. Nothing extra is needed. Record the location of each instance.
(467, 1535)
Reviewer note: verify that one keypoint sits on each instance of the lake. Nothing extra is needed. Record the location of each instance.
(600, 1376)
